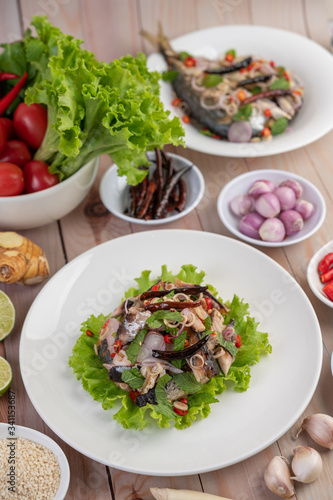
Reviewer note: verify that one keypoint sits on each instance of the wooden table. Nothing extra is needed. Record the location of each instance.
(110, 28)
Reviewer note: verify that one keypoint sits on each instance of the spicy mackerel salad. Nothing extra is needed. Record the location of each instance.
(167, 350)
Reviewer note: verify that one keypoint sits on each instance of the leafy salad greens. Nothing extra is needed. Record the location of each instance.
(88, 367)
(93, 107)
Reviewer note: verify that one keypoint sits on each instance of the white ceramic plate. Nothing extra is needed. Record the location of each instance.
(241, 425)
(241, 184)
(38, 437)
(315, 118)
(114, 191)
(313, 277)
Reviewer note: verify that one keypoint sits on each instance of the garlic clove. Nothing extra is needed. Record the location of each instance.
(320, 428)
(306, 464)
(277, 477)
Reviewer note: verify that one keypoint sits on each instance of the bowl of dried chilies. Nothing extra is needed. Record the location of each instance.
(172, 188)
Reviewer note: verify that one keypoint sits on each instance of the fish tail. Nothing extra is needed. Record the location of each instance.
(160, 41)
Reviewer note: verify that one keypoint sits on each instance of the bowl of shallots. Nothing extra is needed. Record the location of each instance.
(271, 208)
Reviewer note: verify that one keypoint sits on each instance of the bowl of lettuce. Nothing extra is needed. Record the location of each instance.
(93, 108)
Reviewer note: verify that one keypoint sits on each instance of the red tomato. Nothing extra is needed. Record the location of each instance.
(16, 152)
(11, 179)
(9, 126)
(30, 123)
(3, 137)
(37, 176)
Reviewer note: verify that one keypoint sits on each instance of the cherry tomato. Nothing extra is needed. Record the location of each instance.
(9, 126)
(16, 152)
(11, 179)
(37, 176)
(3, 137)
(30, 123)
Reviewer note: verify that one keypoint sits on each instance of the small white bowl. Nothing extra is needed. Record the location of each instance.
(241, 184)
(38, 437)
(313, 276)
(28, 211)
(114, 191)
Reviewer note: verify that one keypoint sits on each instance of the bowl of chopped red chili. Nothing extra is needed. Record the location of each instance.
(320, 274)
(173, 187)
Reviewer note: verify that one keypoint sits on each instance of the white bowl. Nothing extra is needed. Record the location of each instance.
(313, 276)
(241, 184)
(38, 437)
(114, 191)
(27, 211)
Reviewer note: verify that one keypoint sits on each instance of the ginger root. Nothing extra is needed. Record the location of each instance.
(21, 260)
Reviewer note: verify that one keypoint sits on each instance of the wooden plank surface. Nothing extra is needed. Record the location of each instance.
(111, 29)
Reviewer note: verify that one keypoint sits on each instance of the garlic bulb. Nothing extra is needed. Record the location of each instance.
(277, 477)
(306, 464)
(320, 427)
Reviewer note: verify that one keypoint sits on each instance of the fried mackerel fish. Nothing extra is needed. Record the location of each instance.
(237, 98)
(155, 320)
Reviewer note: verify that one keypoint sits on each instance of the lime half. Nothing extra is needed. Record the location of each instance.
(6, 375)
(7, 315)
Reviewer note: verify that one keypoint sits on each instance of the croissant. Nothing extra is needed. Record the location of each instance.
(21, 260)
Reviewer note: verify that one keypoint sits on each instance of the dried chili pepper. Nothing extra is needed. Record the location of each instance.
(160, 293)
(174, 179)
(181, 204)
(151, 188)
(266, 94)
(7, 100)
(229, 69)
(256, 79)
(182, 354)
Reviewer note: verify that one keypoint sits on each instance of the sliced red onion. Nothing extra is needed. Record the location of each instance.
(204, 104)
(267, 205)
(250, 224)
(261, 187)
(292, 221)
(305, 208)
(240, 132)
(242, 204)
(294, 185)
(166, 364)
(286, 196)
(272, 230)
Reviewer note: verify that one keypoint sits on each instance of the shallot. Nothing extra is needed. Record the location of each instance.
(272, 230)
(292, 221)
(240, 132)
(250, 224)
(242, 204)
(268, 205)
(305, 208)
(286, 196)
(260, 187)
(294, 185)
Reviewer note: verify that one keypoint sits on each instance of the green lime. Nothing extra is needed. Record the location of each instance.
(6, 375)
(7, 315)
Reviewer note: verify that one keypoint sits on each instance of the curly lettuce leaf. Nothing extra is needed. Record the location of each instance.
(94, 107)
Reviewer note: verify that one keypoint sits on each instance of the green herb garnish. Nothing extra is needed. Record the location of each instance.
(243, 114)
(279, 126)
(280, 84)
(211, 80)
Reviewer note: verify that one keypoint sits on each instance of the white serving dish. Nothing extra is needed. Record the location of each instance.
(114, 191)
(241, 184)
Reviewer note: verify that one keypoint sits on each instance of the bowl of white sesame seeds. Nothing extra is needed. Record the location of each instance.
(32, 465)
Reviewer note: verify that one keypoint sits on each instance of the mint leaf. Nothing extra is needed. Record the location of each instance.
(134, 347)
(207, 323)
(184, 55)
(156, 319)
(133, 378)
(187, 382)
(163, 405)
(232, 52)
(178, 345)
(280, 83)
(243, 114)
(279, 126)
(255, 90)
(229, 346)
(169, 76)
(211, 80)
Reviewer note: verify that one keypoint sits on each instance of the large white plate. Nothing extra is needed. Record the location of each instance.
(315, 70)
(241, 425)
